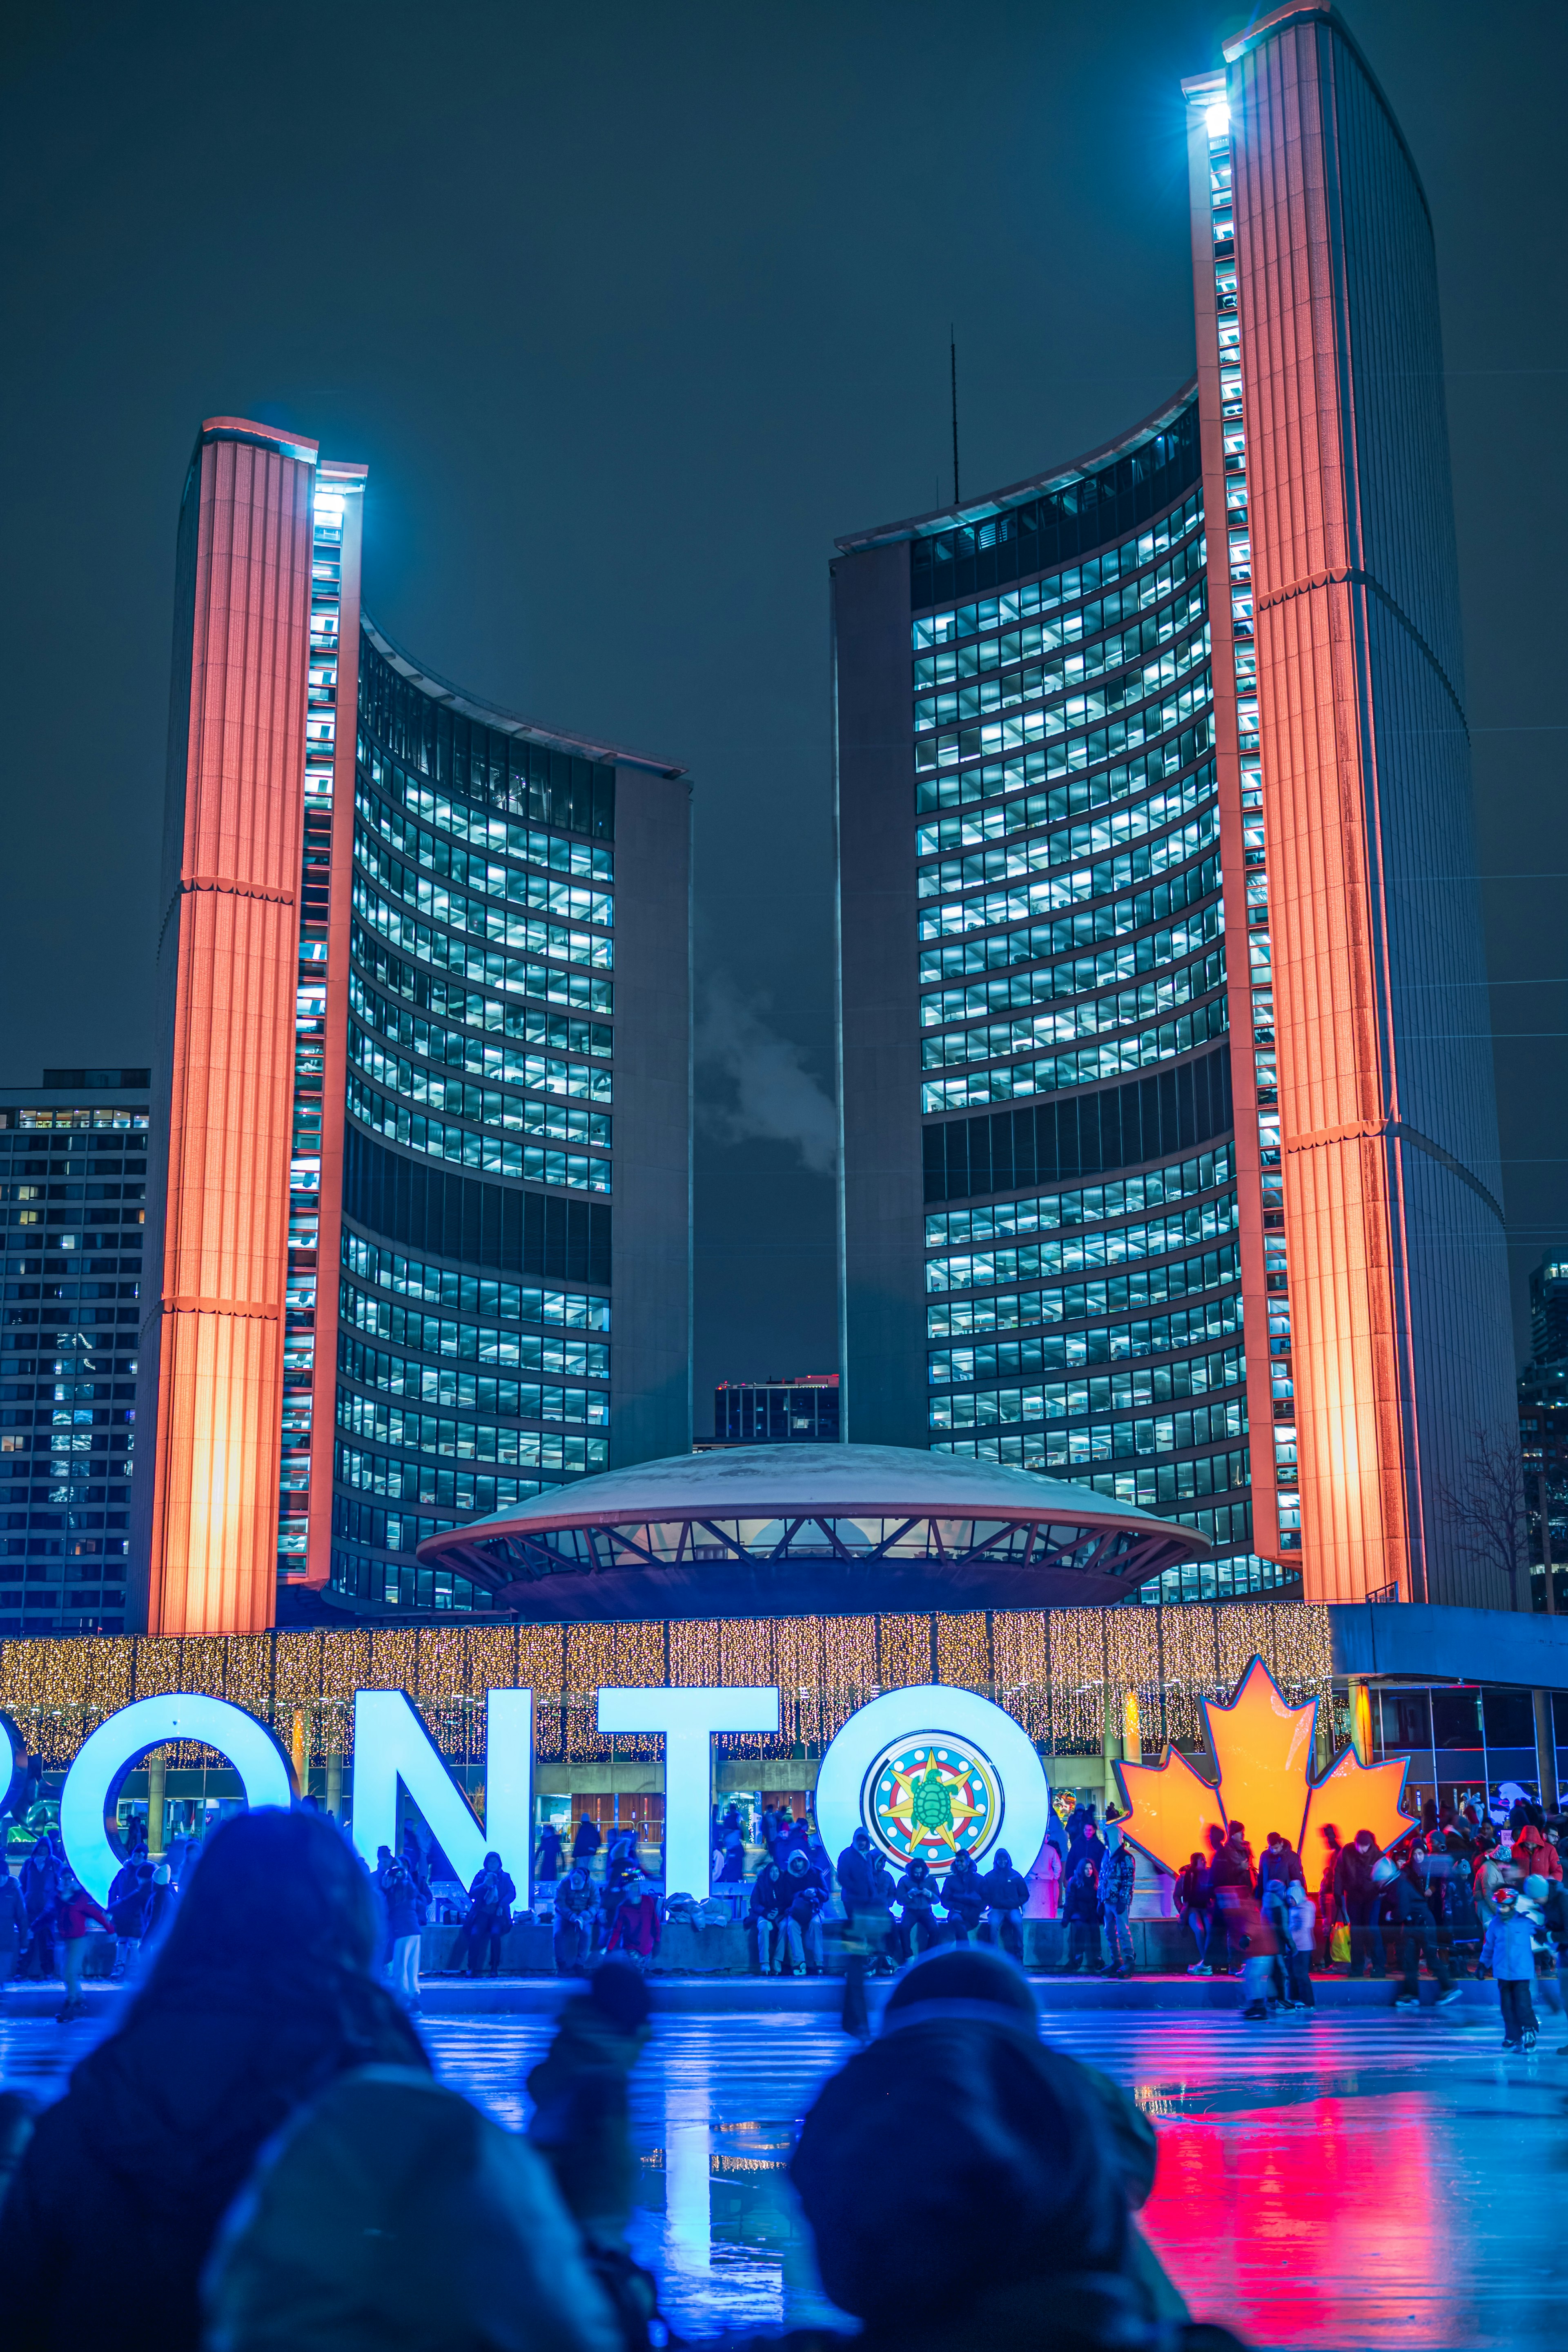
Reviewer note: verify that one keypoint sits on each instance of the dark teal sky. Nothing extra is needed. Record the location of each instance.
(631, 311)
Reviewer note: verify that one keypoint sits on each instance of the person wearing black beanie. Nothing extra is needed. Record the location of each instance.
(1004, 2173)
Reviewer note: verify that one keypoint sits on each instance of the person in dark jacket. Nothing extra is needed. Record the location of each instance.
(550, 1854)
(1193, 1899)
(491, 1898)
(1230, 1878)
(962, 1897)
(14, 1930)
(866, 1885)
(576, 1907)
(130, 1899)
(919, 1893)
(958, 2129)
(771, 1899)
(803, 1917)
(407, 1902)
(585, 1843)
(1362, 1903)
(40, 1886)
(263, 1992)
(1080, 1916)
(1006, 1890)
(1407, 1908)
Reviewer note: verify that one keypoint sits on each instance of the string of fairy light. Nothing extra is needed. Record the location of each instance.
(1066, 1674)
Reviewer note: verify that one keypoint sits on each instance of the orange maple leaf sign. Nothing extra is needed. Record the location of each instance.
(1262, 1749)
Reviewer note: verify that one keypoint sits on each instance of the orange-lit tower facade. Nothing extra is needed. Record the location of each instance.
(1335, 613)
(423, 1043)
(1170, 1159)
(210, 1385)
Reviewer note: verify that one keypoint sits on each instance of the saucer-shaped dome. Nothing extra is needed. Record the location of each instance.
(803, 1529)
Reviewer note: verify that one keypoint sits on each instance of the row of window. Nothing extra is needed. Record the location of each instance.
(1061, 587)
(1039, 682)
(1079, 1248)
(572, 1170)
(439, 1285)
(1149, 1488)
(482, 830)
(1077, 797)
(436, 1335)
(1169, 1433)
(377, 823)
(1046, 981)
(1063, 890)
(1061, 726)
(30, 1130)
(988, 684)
(467, 1441)
(1020, 1079)
(488, 763)
(1081, 1016)
(1108, 920)
(1066, 1351)
(1047, 1212)
(1145, 1286)
(484, 1104)
(422, 1482)
(373, 1367)
(1065, 625)
(524, 1023)
(1036, 853)
(971, 787)
(1107, 1392)
(457, 1050)
(484, 918)
(589, 990)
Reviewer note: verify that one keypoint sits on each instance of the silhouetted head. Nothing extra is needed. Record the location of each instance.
(1003, 1859)
(275, 1894)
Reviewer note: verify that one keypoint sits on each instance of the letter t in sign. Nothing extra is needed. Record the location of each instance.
(688, 1719)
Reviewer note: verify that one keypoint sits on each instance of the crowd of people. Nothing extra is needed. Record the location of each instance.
(261, 2146)
(1462, 1894)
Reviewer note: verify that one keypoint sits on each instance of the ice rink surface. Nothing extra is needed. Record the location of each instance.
(1365, 2180)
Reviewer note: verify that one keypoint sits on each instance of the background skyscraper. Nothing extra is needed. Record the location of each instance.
(1186, 743)
(419, 1192)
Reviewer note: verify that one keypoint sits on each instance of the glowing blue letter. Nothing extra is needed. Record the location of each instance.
(689, 1718)
(391, 1744)
(104, 1757)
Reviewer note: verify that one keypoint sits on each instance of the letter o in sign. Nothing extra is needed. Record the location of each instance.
(105, 1758)
(934, 1773)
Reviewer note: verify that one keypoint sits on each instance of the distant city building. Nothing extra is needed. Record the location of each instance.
(1549, 1311)
(1544, 1448)
(1170, 1144)
(73, 1188)
(419, 1202)
(768, 1412)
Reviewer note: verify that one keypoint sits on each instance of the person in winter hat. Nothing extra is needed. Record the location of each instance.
(265, 1989)
(962, 1897)
(391, 2214)
(958, 2129)
(1509, 1950)
(1006, 1892)
(919, 1893)
(1534, 1900)
(1080, 1913)
(74, 1906)
(1116, 1880)
(576, 1908)
(803, 1916)
(1301, 1933)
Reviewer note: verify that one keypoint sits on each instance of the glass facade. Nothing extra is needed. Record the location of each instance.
(483, 896)
(73, 1188)
(1068, 720)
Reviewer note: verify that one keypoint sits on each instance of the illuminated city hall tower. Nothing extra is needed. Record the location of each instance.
(1170, 1141)
(418, 1221)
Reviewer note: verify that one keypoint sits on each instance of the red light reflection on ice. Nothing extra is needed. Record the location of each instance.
(1306, 2224)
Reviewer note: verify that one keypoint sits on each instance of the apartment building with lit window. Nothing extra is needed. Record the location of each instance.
(1170, 1148)
(73, 1189)
(419, 1202)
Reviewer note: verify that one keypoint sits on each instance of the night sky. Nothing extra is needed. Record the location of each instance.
(631, 311)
